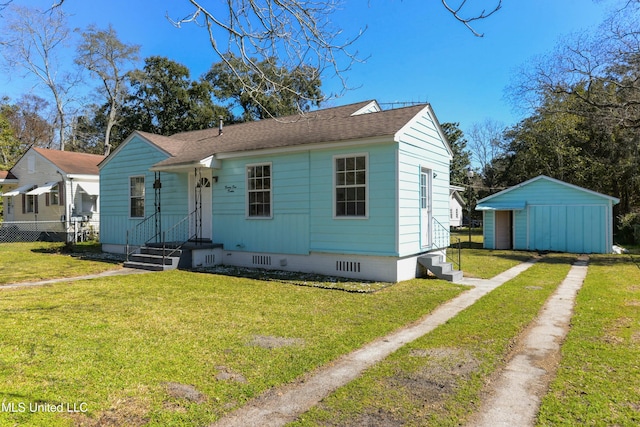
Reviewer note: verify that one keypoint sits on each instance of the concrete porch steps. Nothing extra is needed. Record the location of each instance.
(442, 270)
(151, 258)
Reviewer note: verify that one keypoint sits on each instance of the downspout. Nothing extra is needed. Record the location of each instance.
(67, 213)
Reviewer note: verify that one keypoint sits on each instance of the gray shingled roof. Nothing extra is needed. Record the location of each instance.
(322, 126)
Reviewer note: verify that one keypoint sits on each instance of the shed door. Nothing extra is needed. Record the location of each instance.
(504, 229)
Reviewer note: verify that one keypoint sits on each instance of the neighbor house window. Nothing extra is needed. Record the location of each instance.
(29, 203)
(136, 196)
(351, 186)
(54, 195)
(259, 191)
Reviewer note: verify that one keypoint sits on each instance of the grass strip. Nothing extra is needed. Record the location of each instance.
(26, 262)
(598, 380)
(438, 379)
(180, 348)
(485, 263)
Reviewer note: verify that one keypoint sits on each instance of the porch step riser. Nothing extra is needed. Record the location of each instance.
(151, 259)
(159, 252)
(146, 266)
(442, 270)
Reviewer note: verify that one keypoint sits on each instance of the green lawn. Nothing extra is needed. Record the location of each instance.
(180, 348)
(437, 380)
(483, 263)
(184, 348)
(598, 381)
(25, 262)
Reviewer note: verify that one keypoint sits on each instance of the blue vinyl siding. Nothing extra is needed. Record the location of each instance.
(287, 231)
(373, 235)
(489, 230)
(420, 146)
(303, 215)
(135, 159)
(520, 229)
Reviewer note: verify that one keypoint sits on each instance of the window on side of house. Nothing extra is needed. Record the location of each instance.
(54, 195)
(350, 174)
(136, 196)
(30, 204)
(259, 184)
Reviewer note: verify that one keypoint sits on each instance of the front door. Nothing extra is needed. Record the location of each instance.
(201, 203)
(425, 207)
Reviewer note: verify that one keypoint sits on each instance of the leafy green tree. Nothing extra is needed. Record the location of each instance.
(278, 91)
(29, 125)
(461, 156)
(581, 149)
(164, 100)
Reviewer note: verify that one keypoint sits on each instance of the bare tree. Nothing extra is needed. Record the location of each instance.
(299, 33)
(600, 68)
(468, 19)
(31, 40)
(102, 53)
(486, 145)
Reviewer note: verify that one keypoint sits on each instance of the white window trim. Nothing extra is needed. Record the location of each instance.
(55, 192)
(366, 186)
(30, 207)
(246, 192)
(144, 210)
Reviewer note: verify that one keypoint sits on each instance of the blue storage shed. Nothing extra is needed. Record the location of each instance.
(547, 214)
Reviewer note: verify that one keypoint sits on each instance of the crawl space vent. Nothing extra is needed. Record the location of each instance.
(351, 266)
(261, 260)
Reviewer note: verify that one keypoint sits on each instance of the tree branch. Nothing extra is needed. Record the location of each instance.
(456, 12)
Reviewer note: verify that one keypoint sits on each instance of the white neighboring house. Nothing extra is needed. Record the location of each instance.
(456, 206)
(52, 194)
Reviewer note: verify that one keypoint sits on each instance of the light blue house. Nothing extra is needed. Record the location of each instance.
(546, 214)
(353, 191)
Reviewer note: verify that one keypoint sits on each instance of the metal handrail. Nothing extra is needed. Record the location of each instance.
(442, 233)
(178, 232)
(138, 234)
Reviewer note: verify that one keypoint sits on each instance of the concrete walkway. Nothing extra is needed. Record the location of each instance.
(108, 273)
(515, 397)
(281, 405)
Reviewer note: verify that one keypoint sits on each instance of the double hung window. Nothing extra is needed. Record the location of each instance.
(259, 191)
(136, 197)
(350, 186)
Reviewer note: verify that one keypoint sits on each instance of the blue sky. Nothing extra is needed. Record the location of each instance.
(416, 51)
